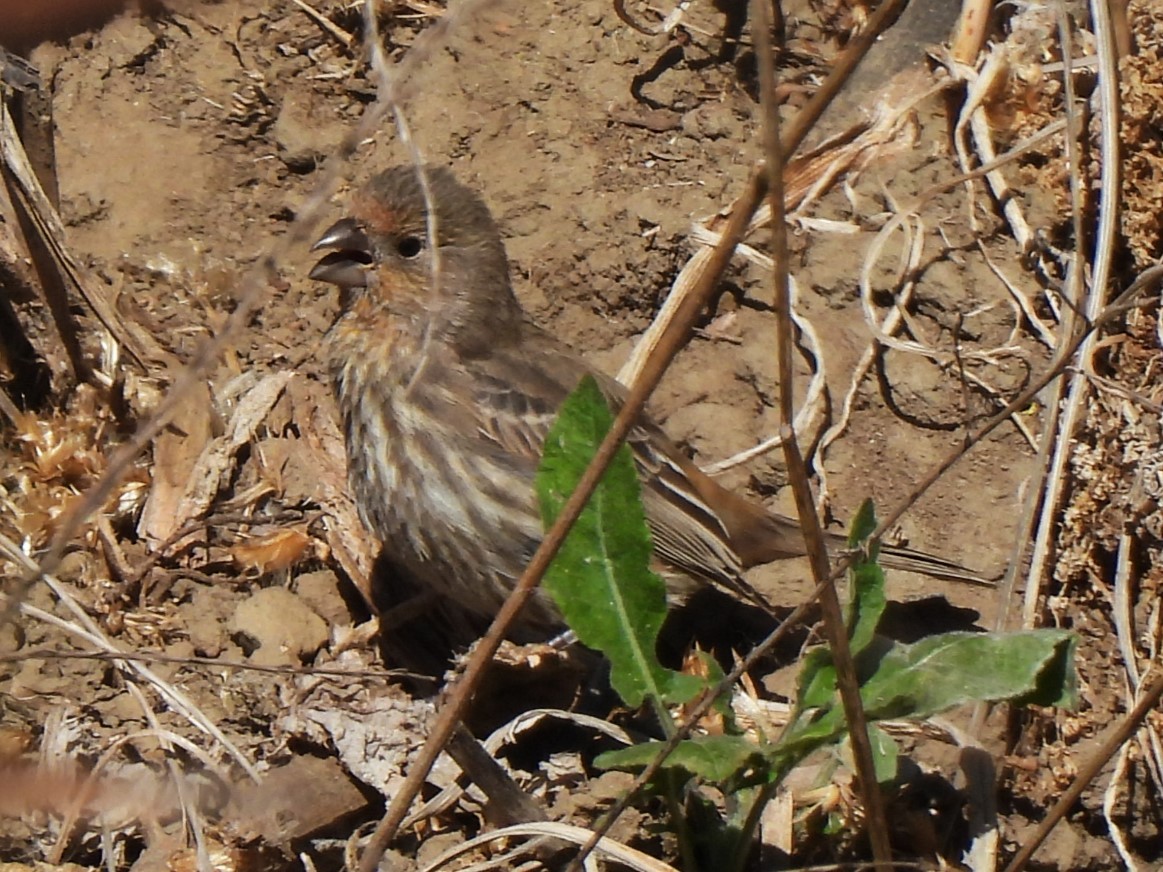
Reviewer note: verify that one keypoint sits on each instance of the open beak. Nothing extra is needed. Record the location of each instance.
(345, 265)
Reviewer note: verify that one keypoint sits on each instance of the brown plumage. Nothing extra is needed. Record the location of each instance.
(447, 393)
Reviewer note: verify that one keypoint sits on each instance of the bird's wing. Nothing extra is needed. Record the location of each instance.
(518, 396)
(516, 420)
(520, 389)
(698, 526)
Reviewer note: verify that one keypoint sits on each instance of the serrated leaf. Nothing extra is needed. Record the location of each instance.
(938, 673)
(714, 758)
(601, 579)
(943, 671)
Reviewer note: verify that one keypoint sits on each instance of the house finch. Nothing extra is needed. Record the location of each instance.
(447, 391)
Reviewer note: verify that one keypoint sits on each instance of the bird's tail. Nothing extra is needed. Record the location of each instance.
(931, 565)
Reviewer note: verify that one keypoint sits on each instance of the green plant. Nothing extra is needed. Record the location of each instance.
(602, 583)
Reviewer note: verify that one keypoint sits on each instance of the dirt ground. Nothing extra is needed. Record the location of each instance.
(188, 142)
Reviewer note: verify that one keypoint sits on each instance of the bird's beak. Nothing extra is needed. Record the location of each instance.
(350, 254)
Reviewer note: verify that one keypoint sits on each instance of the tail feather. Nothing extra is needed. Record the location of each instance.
(931, 565)
(783, 539)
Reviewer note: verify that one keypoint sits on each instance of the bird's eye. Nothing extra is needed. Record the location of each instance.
(409, 246)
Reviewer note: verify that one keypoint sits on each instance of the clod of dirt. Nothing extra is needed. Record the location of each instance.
(320, 590)
(205, 618)
(710, 121)
(278, 628)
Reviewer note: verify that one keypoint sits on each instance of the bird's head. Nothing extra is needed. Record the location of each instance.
(380, 257)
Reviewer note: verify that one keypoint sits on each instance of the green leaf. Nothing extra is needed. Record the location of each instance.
(867, 604)
(943, 671)
(713, 758)
(816, 681)
(867, 600)
(862, 526)
(915, 681)
(601, 579)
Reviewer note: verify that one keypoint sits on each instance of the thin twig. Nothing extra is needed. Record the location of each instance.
(1052, 402)
(735, 231)
(378, 675)
(971, 29)
(1039, 529)
(620, 854)
(876, 823)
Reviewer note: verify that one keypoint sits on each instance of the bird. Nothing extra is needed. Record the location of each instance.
(447, 390)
